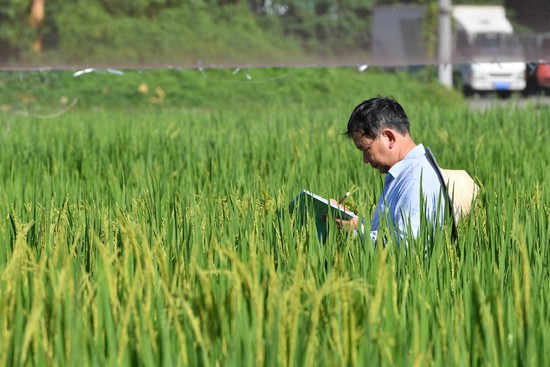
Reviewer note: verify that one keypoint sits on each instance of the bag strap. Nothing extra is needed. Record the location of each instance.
(433, 162)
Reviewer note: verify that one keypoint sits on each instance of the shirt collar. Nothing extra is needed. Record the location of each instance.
(400, 166)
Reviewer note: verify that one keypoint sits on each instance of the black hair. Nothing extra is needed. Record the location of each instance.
(372, 116)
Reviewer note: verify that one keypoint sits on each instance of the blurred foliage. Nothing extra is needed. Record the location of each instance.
(190, 33)
(150, 32)
(15, 34)
(327, 26)
(139, 7)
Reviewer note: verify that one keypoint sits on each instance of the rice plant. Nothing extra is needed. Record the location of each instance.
(156, 238)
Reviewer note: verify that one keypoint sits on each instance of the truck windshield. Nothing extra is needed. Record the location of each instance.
(497, 46)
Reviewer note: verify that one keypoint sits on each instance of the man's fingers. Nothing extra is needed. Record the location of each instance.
(334, 202)
(349, 225)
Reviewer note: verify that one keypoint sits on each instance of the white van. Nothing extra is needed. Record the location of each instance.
(488, 53)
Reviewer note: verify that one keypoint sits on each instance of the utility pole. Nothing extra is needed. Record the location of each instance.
(445, 40)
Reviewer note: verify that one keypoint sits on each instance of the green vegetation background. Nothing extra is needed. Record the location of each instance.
(159, 33)
(139, 224)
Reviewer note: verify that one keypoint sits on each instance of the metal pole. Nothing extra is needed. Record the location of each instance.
(445, 66)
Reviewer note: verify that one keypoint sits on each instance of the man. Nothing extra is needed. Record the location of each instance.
(379, 128)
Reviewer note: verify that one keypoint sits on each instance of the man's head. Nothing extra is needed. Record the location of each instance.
(379, 128)
(376, 114)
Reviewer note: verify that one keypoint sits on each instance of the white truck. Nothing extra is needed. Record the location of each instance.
(487, 55)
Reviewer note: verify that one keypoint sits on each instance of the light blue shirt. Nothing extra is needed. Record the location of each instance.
(400, 200)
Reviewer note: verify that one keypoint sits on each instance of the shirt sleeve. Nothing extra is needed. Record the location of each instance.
(360, 230)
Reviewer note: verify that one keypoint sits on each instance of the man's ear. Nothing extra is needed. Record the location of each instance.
(390, 136)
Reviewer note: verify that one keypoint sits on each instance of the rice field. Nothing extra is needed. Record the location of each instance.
(154, 237)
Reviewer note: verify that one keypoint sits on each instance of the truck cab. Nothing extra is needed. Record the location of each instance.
(488, 54)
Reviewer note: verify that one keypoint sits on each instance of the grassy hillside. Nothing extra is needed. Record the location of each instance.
(50, 91)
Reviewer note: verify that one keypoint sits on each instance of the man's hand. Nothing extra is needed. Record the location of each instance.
(347, 225)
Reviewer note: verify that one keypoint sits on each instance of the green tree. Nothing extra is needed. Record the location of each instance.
(137, 8)
(15, 32)
(328, 27)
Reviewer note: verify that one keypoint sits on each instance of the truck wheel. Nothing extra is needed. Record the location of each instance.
(467, 91)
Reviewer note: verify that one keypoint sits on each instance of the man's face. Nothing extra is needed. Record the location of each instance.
(376, 152)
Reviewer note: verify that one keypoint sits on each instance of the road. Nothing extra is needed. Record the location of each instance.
(489, 101)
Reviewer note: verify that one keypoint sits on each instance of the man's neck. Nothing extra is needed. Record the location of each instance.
(407, 145)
